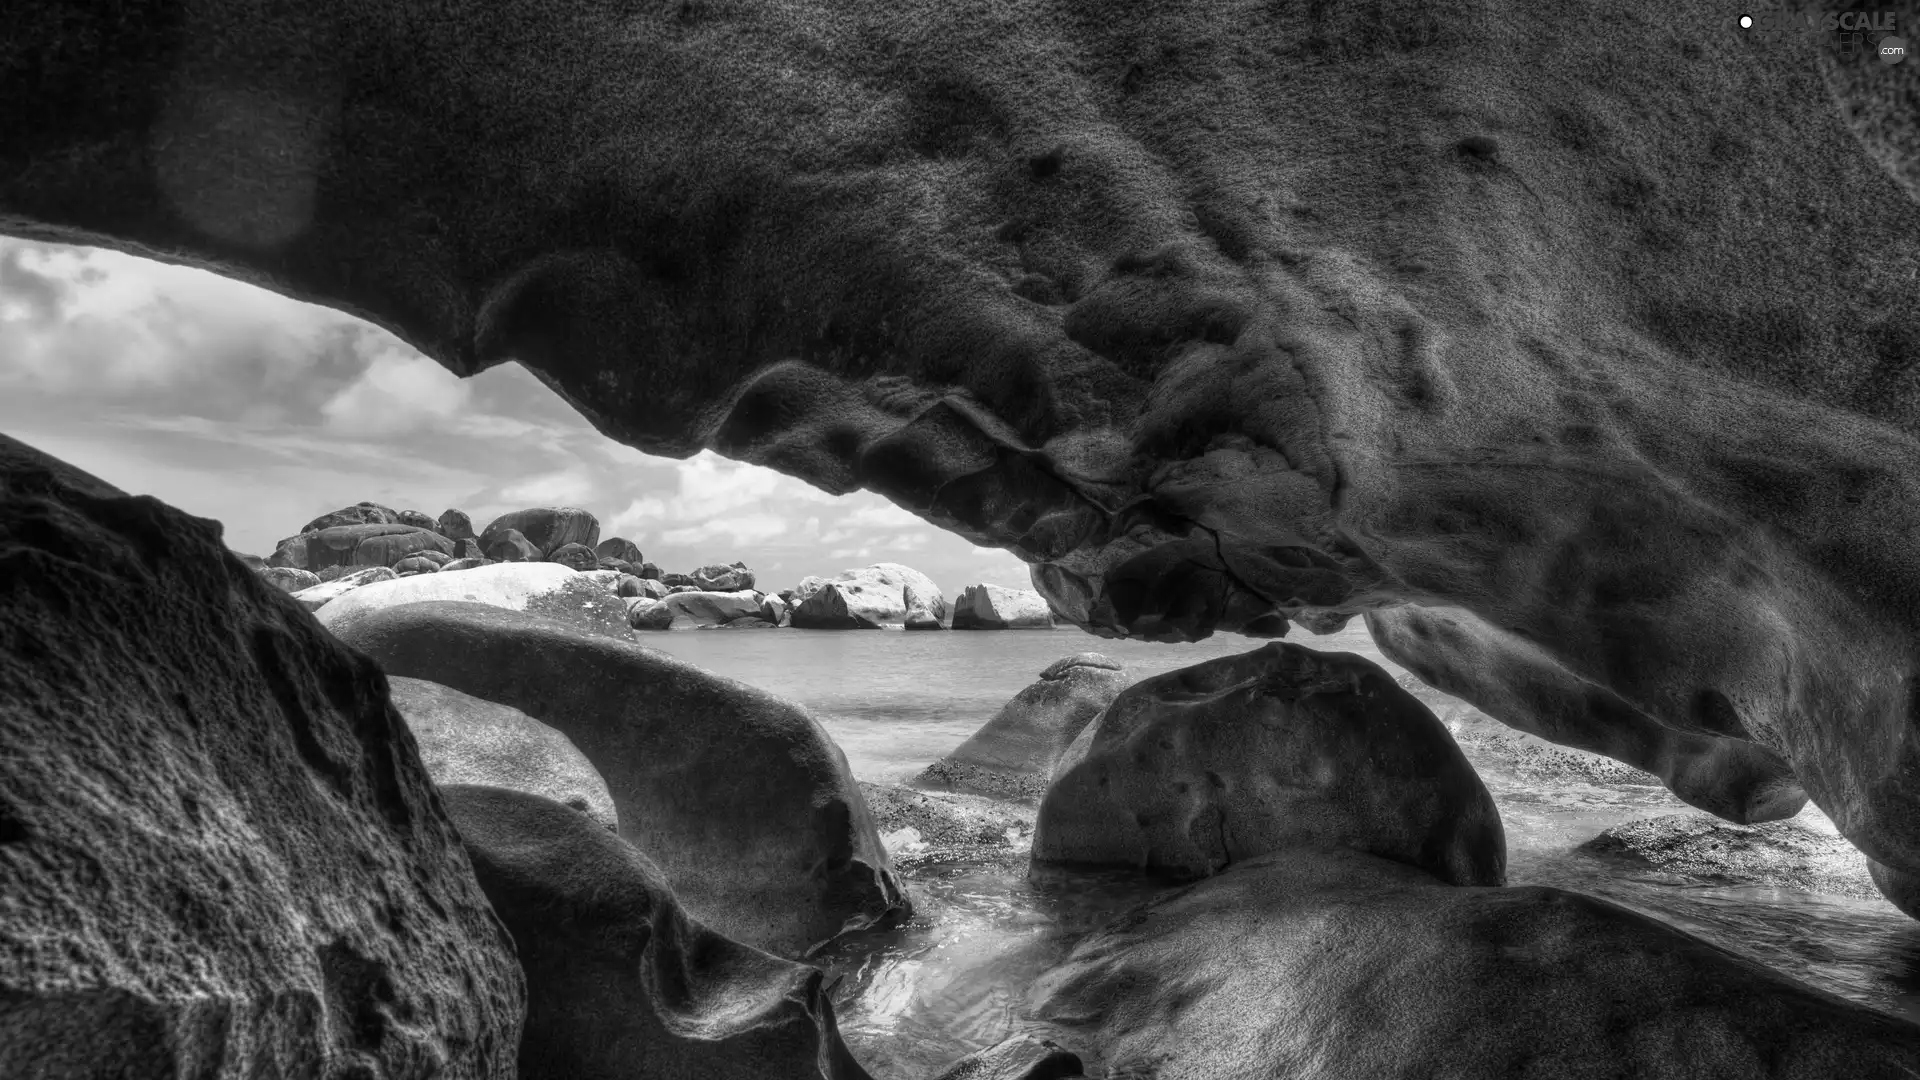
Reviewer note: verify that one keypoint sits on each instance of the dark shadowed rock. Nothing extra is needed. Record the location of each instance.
(541, 588)
(621, 984)
(287, 579)
(679, 581)
(1805, 855)
(343, 582)
(1189, 772)
(775, 610)
(455, 525)
(219, 852)
(468, 740)
(366, 513)
(992, 607)
(507, 545)
(1514, 682)
(419, 521)
(745, 622)
(252, 562)
(468, 549)
(619, 547)
(1016, 1058)
(921, 619)
(577, 556)
(647, 613)
(1900, 890)
(619, 566)
(334, 573)
(293, 552)
(1013, 756)
(630, 585)
(741, 798)
(649, 571)
(371, 545)
(547, 528)
(1346, 966)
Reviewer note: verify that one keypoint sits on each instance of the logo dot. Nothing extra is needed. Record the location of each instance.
(1746, 22)
(1893, 50)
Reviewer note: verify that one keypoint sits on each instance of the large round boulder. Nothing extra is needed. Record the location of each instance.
(365, 513)
(219, 852)
(631, 585)
(541, 588)
(621, 983)
(547, 528)
(468, 740)
(619, 547)
(1013, 756)
(1192, 771)
(341, 583)
(372, 545)
(723, 578)
(646, 613)
(740, 797)
(455, 525)
(507, 545)
(701, 608)
(293, 552)
(577, 556)
(994, 607)
(418, 520)
(1342, 966)
(868, 598)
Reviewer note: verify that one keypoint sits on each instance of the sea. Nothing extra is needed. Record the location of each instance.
(911, 1000)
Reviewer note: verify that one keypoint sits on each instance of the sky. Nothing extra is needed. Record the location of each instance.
(237, 404)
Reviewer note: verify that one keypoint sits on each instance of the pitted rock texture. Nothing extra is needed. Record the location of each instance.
(1189, 772)
(1016, 1058)
(740, 797)
(548, 589)
(1210, 311)
(1013, 756)
(919, 826)
(1349, 967)
(371, 545)
(341, 583)
(1707, 765)
(992, 607)
(220, 855)
(361, 513)
(700, 608)
(620, 982)
(1776, 854)
(468, 740)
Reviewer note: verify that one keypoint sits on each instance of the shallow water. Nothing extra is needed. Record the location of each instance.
(911, 1000)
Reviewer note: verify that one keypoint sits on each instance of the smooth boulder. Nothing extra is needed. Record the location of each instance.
(468, 740)
(633, 585)
(220, 854)
(288, 579)
(646, 613)
(507, 545)
(740, 797)
(539, 588)
(702, 608)
(371, 545)
(578, 556)
(1190, 772)
(619, 547)
(546, 528)
(1345, 966)
(994, 607)
(867, 598)
(418, 520)
(621, 983)
(415, 565)
(318, 596)
(455, 525)
(1014, 755)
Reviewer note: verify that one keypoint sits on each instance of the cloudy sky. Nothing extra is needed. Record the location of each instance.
(261, 412)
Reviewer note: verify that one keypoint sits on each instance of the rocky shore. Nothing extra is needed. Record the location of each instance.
(367, 543)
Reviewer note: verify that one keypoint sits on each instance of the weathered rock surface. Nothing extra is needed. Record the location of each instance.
(620, 982)
(920, 619)
(540, 588)
(219, 852)
(700, 608)
(1795, 854)
(455, 525)
(465, 564)
(1514, 682)
(468, 740)
(922, 826)
(646, 613)
(631, 585)
(411, 565)
(775, 610)
(418, 520)
(1189, 772)
(1145, 299)
(749, 622)
(291, 552)
(723, 578)
(507, 545)
(1016, 1058)
(992, 607)
(287, 579)
(342, 583)
(371, 545)
(649, 571)
(364, 513)
(619, 547)
(1349, 966)
(252, 562)
(740, 797)
(1014, 755)
(577, 556)
(867, 598)
(547, 528)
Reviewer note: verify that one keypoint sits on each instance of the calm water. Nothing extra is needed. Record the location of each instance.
(954, 980)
